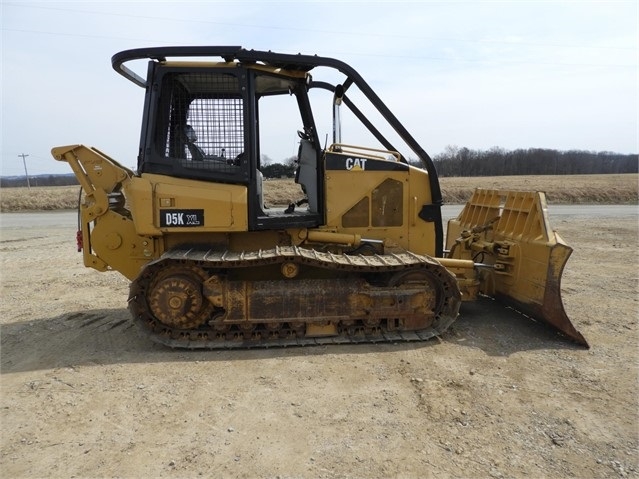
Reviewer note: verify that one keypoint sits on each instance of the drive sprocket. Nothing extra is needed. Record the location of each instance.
(175, 297)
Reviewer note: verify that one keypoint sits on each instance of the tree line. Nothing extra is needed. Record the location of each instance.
(456, 161)
(39, 180)
(278, 170)
(453, 161)
(497, 161)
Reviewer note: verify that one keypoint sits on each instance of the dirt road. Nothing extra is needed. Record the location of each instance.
(85, 395)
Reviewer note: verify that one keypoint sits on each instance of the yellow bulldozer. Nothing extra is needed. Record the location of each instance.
(359, 258)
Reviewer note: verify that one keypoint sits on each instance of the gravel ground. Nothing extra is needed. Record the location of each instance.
(84, 394)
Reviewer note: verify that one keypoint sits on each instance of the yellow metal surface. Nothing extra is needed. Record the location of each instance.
(252, 66)
(225, 206)
(456, 263)
(110, 240)
(510, 232)
(318, 330)
(97, 174)
(139, 195)
(126, 237)
(364, 151)
(115, 242)
(421, 234)
(255, 240)
(382, 205)
(290, 270)
(94, 169)
(331, 237)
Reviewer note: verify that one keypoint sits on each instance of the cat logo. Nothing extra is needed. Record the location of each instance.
(357, 164)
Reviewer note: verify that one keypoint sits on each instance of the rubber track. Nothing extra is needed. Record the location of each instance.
(215, 259)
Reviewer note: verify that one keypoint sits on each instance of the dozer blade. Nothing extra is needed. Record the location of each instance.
(509, 234)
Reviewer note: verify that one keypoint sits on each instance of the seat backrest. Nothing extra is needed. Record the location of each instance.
(306, 174)
(190, 137)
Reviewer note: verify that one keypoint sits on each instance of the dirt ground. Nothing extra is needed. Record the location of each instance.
(85, 395)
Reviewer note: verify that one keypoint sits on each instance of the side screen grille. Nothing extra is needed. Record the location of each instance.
(218, 125)
(204, 126)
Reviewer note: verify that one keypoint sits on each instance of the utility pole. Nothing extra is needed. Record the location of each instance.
(25, 169)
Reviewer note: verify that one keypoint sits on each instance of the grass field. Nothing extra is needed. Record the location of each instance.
(583, 189)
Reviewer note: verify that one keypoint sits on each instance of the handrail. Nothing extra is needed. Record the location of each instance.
(343, 148)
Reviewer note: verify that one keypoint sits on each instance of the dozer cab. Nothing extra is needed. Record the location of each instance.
(359, 258)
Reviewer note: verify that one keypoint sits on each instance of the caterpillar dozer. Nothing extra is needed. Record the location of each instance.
(359, 258)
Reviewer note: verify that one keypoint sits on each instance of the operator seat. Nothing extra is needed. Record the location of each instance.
(190, 137)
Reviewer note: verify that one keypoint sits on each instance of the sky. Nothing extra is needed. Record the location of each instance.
(509, 74)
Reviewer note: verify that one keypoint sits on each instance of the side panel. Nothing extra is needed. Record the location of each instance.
(422, 233)
(139, 199)
(163, 205)
(378, 199)
(366, 196)
(180, 207)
